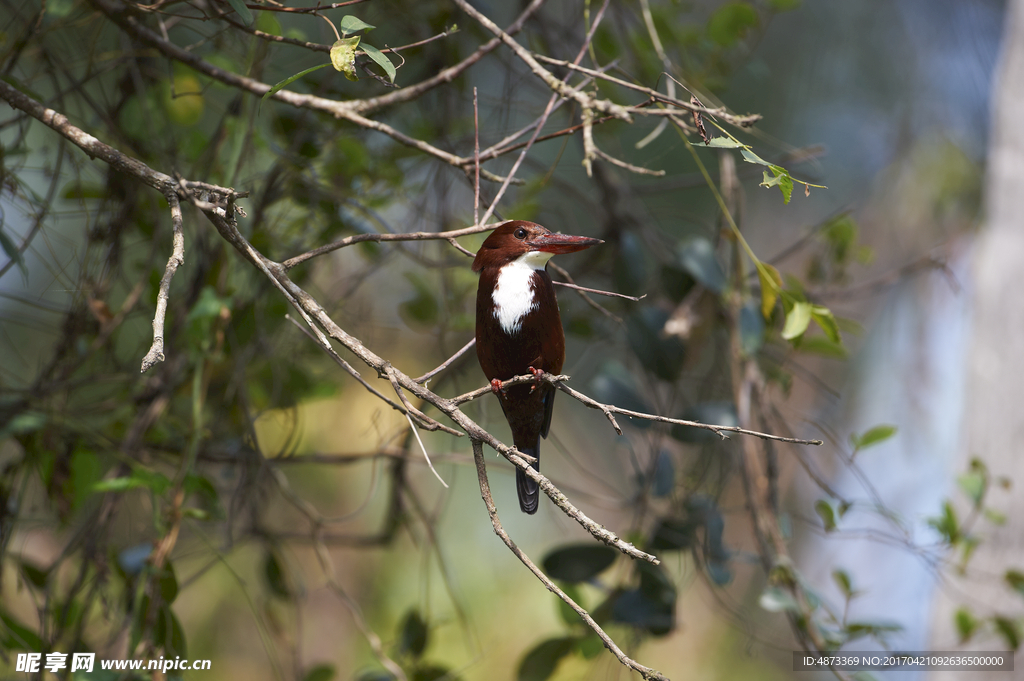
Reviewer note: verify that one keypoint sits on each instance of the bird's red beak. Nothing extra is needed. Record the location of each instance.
(562, 243)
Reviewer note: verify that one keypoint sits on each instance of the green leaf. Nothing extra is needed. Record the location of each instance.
(540, 663)
(565, 611)
(158, 483)
(350, 24)
(168, 583)
(782, 179)
(973, 484)
(288, 81)
(724, 143)
(343, 56)
(966, 624)
(823, 316)
(413, 639)
(650, 607)
(797, 320)
(579, 562)
(826, 513)
(274, 574)
(243, 12)
(1015, 578)
(24, 423)
(946, 524)
(37, 577)
(843, 581)
(382, 60)
(771, 284)
(872, 437)
(321, 672)
(751, 157)
(1009, 630)
(994, 516)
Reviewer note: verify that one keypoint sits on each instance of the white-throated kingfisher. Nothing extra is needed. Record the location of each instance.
(519, 331)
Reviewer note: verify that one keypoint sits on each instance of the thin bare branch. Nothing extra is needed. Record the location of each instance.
(177, 259)
(583, 294)
(598, 291)
(492, 512)
(378, 238)
(445, 364)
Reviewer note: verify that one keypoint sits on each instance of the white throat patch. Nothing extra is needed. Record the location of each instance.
(513, 296)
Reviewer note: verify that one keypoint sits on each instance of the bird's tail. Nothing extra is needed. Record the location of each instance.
(528, 489)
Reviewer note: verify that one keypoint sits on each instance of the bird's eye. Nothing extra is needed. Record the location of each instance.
(520, 233)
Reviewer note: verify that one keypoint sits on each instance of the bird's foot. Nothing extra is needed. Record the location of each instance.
(496, 386)
(537, 373)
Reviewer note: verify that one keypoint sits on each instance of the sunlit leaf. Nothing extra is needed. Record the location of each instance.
(724, 143)
(771, 284)
(872, 436)
(824, 318)
(797, 320)
(343, 56)
(751, 157)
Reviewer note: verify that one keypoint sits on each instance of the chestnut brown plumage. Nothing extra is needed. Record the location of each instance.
(519, 331)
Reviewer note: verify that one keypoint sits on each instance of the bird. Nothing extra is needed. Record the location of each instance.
(519, 331)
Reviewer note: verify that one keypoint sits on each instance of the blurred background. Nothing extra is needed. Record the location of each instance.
(311, 541)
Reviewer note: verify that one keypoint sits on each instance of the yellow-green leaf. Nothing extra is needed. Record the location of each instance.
(343, 56)
(823, 316)
(771, 284)
(797, 320)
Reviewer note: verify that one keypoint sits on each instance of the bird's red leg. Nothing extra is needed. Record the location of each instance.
(496, 386)
(537, 373)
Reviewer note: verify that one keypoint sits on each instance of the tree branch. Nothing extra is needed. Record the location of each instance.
(492, 512)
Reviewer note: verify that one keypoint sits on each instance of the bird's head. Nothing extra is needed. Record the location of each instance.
(518, 238)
